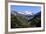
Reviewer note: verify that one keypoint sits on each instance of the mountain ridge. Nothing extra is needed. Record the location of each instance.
(26, 15)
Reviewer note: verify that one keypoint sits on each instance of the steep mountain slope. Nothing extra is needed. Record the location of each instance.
(36, 21)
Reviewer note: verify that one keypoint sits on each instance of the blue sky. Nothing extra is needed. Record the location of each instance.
(34, 9)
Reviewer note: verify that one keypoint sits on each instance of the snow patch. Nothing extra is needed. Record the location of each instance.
(26, 13)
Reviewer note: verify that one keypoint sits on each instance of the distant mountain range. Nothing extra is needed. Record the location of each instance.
(27, 15)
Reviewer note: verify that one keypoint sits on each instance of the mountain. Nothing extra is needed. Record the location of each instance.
(36, 21)
(38, 14)
(18, 20)
(25, 14)
(25, 19)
